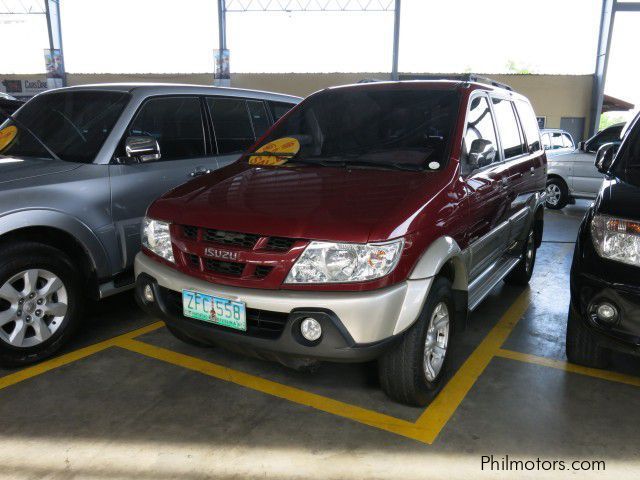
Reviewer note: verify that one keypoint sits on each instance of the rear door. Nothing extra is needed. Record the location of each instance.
(177, 122)
(486, 189)
(237, 124)
(522, 164)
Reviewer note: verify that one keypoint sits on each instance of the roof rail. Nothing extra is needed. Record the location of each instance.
(461, 77)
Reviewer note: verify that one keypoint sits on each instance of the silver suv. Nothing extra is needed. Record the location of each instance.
(572, 171)
(78, 168)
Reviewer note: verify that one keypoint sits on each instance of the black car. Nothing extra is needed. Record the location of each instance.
(605, 276)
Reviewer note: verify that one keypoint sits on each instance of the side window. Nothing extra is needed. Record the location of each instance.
(278, 109)
(529, 125)
(556, 141)
(510, 136)
(231, 124)
(479, 125)
(546, 141)
(259, 117)
(566, 141)
(176, 122)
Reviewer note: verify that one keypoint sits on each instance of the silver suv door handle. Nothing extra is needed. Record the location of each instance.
(199, 171)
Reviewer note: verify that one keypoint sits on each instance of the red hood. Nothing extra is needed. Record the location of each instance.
(318, 203)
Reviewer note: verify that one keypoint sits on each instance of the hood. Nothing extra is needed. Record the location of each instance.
(319, 203)
(619, 199)
(15, 168)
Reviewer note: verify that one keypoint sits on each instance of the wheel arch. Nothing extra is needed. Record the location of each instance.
(63, 232)
(443, 257)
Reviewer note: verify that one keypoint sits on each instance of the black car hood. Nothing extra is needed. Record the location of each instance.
(619, 199)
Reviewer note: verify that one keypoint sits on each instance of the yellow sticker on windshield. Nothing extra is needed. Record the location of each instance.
(276, 152)
(7, 135)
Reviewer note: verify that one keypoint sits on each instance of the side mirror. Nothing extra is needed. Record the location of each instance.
(481, 153)
(581, 146)
(604, 157)
(142, 148)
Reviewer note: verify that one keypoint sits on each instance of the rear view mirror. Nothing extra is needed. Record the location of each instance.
(604, 157)
(142, 148)
(481, 153)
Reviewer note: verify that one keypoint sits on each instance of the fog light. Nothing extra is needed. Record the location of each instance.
(607, 312)
(310, 329)
(148, 293)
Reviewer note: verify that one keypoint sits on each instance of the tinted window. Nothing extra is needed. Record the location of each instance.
(512, 142)
(278, 109)
(627, 161)
(529, 125)
(546, 141)
(402, 128)
(232, 124)
(176, 122)
(74, 124)
(610, 134)
(566, 141)
(479, 124)
(259, 117)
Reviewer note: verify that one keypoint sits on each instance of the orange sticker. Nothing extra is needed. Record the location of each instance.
(286, 145)
(7, 135)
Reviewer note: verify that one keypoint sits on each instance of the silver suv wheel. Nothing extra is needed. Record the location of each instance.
(436, 342)
(553, 194)
(37, 302)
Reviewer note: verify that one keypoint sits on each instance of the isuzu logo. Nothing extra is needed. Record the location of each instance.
(222, 254)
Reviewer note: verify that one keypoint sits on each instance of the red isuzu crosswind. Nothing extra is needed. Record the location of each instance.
(366, 224)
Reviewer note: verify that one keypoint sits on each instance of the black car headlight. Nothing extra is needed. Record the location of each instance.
(616, 239)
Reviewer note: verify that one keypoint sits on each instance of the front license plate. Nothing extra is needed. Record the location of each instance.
(218, 310)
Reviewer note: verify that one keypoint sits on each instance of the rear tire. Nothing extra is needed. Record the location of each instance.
(557, 194)
(415, 369)
(40, 302)
(582, 347)
(522, 273)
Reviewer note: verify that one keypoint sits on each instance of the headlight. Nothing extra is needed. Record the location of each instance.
(156, 237)
(326, 262)
(616, 239)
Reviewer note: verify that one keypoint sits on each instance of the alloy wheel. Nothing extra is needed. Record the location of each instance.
(553, 194)
(436, 342)
(33, 305)
(530, 252)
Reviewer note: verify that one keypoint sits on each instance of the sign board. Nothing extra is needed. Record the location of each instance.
(54, 67)
(542, 121)
(222, 73)
(24, 88)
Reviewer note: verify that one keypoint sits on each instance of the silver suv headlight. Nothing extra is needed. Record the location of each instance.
(327, 262)
(156, 237)
(616, 239)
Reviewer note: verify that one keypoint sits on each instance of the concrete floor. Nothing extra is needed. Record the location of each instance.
(161, 409)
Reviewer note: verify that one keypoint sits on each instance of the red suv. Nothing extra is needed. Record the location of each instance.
(365, 224)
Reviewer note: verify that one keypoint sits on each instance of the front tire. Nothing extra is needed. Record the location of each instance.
(581, 346)
(40, 302)
(415, 369)
(557, 194)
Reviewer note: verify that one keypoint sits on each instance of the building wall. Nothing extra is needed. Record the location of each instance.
(552, 96)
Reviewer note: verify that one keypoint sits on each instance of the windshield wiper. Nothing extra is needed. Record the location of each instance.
(357, 163)
(22, 125)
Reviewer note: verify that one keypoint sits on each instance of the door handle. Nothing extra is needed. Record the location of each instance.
(533, 171)
(199, 171)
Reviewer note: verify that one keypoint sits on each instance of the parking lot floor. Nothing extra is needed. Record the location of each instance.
(127, 400)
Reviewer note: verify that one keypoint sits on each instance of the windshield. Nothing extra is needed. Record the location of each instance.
(400, 127)
(73, 124)
(627, 162)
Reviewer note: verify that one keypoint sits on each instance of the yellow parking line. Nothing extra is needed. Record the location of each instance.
(319, 402)
(70, 357)
(438, 413)
(569, 367)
